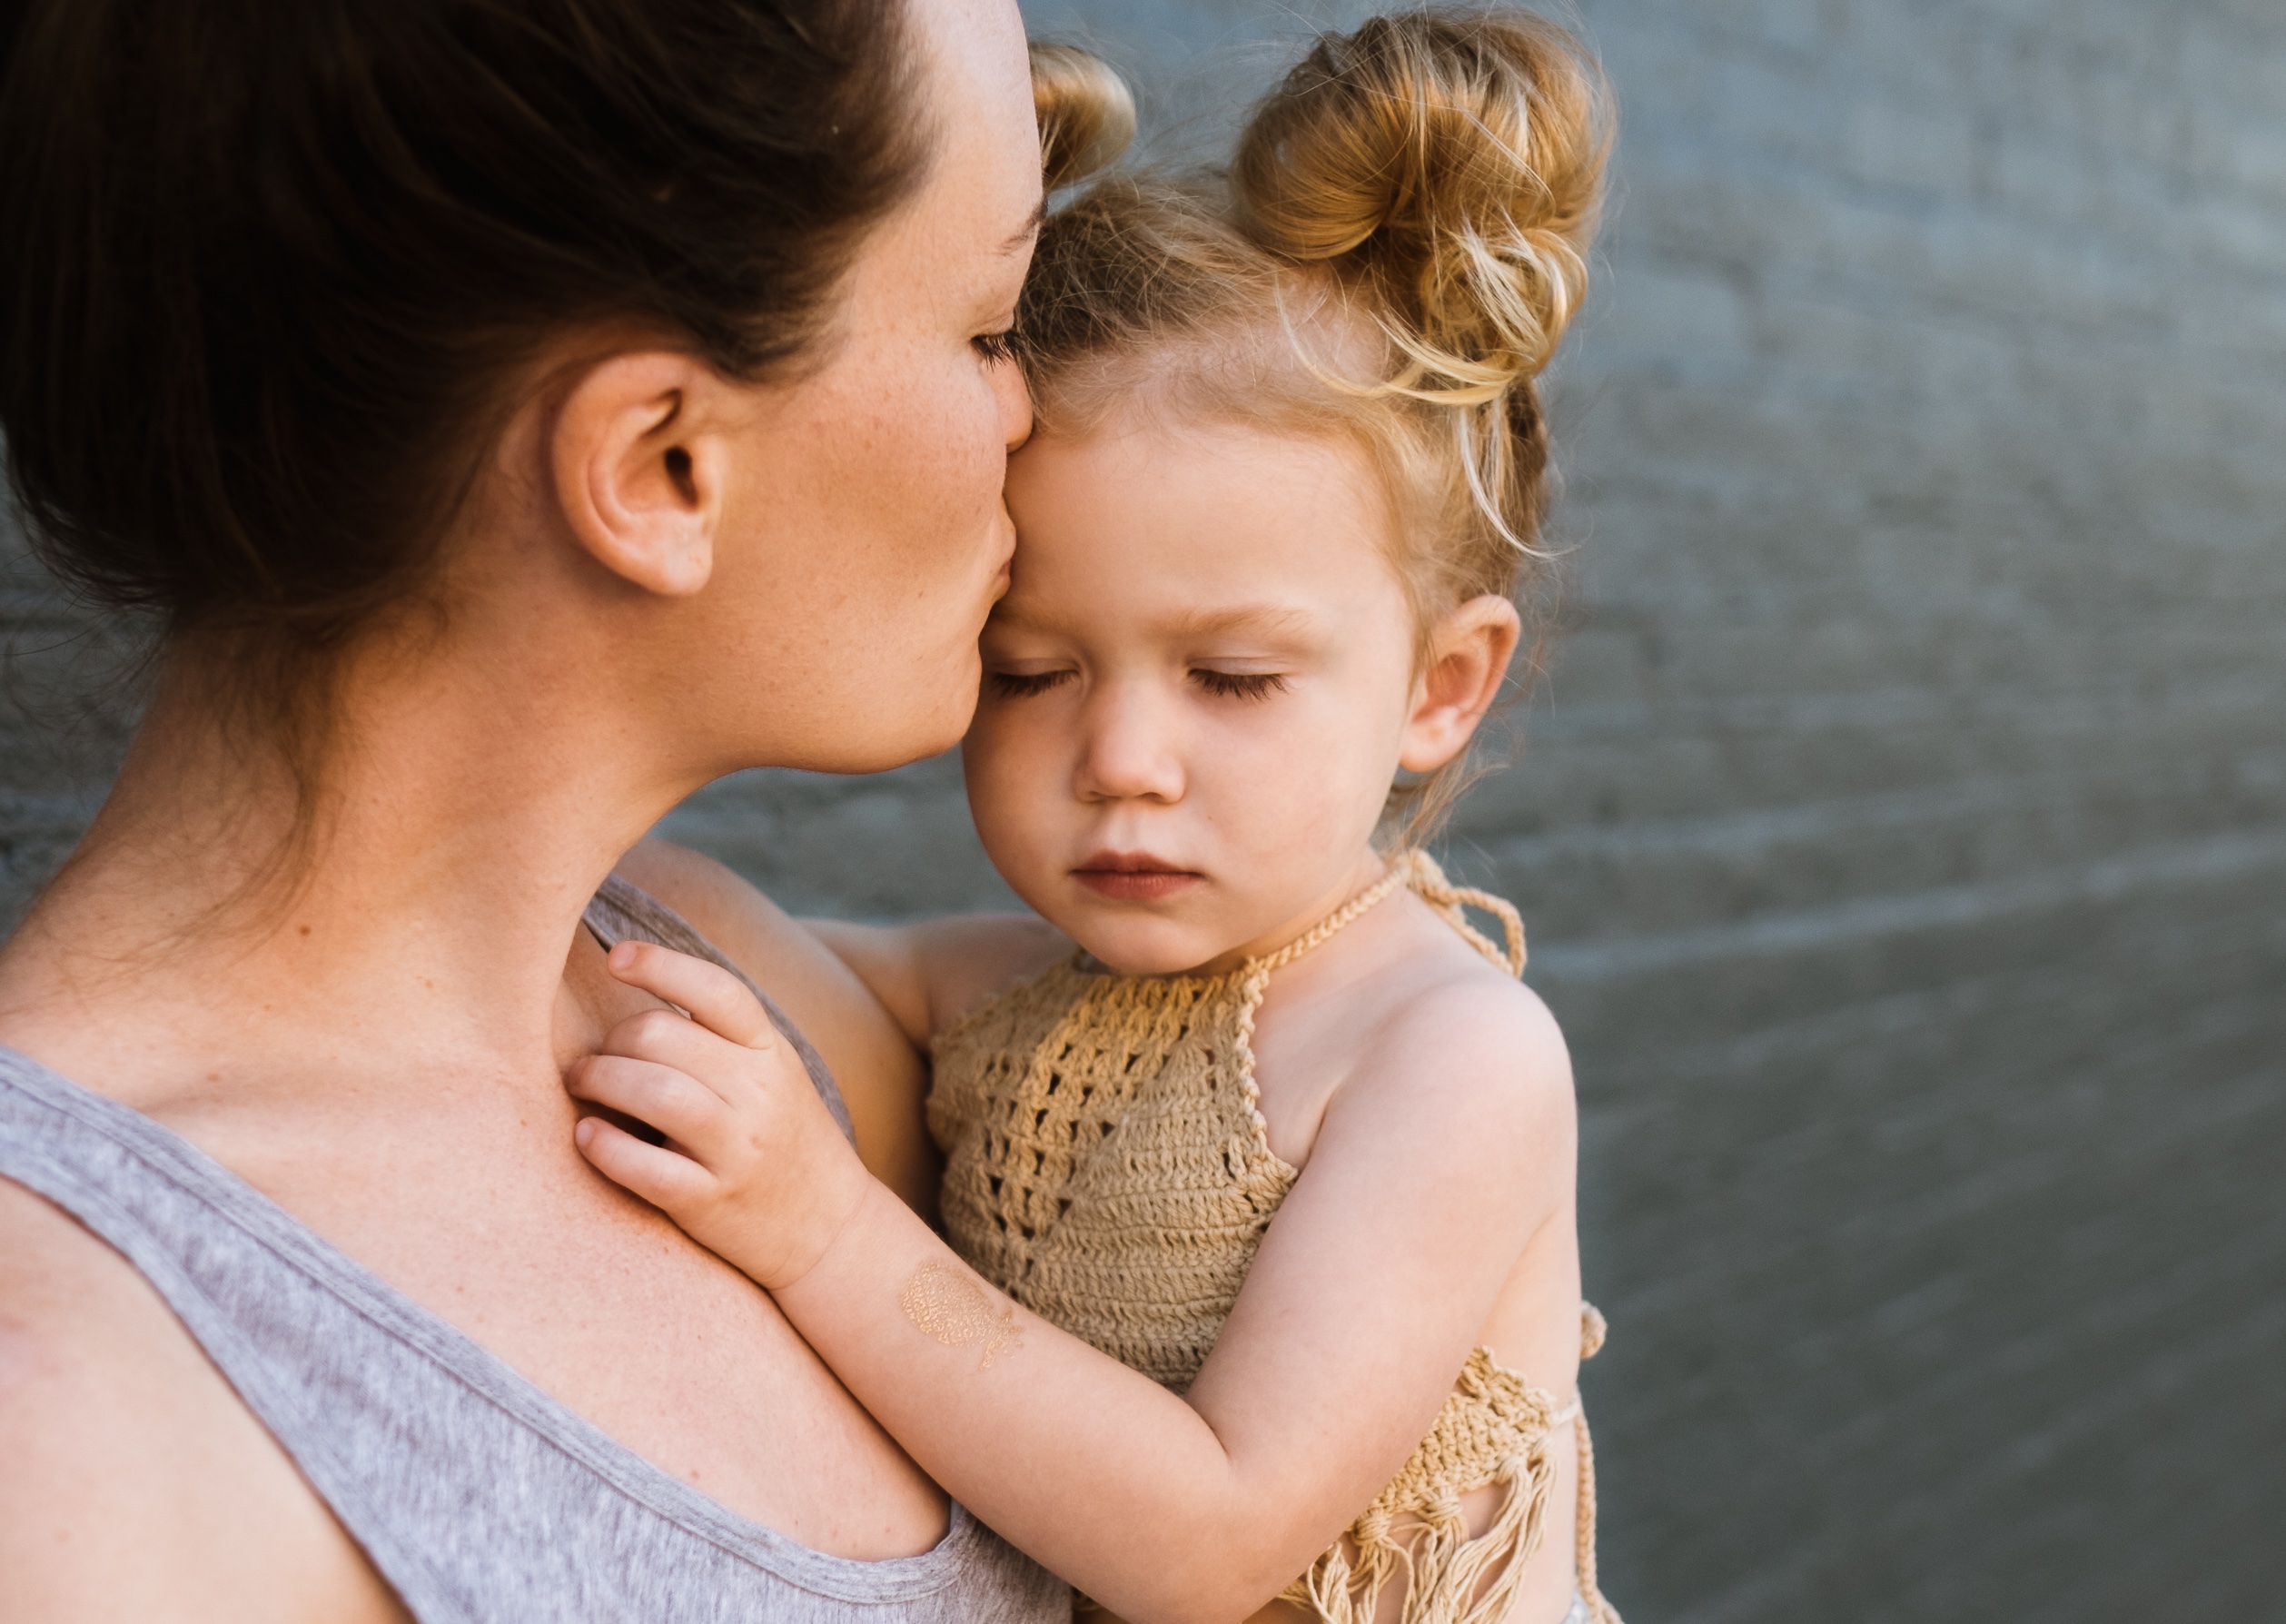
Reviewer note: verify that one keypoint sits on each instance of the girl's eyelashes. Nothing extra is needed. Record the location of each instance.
(1228, 685)
(996, 347)
(1023, 685)
(1238, 685)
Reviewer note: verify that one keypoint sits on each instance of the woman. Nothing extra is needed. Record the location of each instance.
(517, 414)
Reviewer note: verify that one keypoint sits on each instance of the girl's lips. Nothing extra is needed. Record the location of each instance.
(1134, 879)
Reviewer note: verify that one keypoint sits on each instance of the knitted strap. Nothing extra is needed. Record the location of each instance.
(1417, 870)
(1256, 983)
(1421, 873)
(1592, 1329)
(1584, 1556)
(1316, 935)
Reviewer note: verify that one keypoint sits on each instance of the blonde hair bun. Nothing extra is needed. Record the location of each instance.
(1086, 112)
(1454, 160)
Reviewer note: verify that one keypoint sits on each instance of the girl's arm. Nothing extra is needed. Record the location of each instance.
(930, 975)
(1366, 1296)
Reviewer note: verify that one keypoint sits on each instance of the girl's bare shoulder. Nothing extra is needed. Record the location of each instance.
(1458, 1043)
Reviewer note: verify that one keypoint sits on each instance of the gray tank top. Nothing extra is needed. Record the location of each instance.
(476, 1496)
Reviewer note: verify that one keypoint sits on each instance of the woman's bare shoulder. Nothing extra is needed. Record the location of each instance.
(136, 1483)
(831, 1005)
(720, 904)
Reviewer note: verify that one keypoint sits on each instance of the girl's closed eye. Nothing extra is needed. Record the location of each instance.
(1023, 684)
(1238, 685)
(996, 347)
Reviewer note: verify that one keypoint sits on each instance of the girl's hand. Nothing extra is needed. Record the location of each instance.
(755, 1166)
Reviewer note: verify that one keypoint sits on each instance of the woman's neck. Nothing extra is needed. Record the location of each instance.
(193, 945)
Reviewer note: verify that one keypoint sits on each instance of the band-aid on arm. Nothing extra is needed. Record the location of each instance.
(951, 1307)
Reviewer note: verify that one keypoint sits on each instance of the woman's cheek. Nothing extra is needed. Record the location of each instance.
(954, 495)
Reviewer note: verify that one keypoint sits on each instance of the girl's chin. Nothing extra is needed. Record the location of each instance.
(1146, 952)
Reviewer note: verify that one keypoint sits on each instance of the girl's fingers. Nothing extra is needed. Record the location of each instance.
(662, 1037)
(716, 999)
(677, 1104)
(670, 1182)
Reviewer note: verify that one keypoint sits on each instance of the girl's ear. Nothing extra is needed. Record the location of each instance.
(1469, 653)
(637, 473)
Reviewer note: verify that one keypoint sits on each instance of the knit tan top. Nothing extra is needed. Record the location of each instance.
(1107, 1166)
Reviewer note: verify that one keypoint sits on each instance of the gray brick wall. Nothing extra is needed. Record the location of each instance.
(67, 704)
(1903, 826)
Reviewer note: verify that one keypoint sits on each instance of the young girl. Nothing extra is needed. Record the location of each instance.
(1285, 1138)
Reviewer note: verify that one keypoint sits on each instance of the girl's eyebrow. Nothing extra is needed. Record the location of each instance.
(1246, 620)
(1259, 619)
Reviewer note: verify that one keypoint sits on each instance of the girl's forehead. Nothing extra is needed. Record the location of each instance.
(1148, 473)
(1197, 534)
(1209, 510)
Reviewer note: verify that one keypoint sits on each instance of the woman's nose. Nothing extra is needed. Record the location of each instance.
(1129, 752)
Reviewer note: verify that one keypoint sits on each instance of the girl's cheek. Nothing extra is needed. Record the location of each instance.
(1010, 781)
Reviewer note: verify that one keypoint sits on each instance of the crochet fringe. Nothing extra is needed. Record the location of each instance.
(1445, 1571)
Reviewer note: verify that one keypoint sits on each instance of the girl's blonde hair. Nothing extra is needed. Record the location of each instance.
(1395, 251)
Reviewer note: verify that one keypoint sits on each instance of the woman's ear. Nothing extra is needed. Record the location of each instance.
(638, 476)
(1469, 653)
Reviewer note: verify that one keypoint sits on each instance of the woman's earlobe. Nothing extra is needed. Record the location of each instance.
(636, 476)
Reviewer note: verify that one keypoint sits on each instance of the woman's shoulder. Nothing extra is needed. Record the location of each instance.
(721, 904)
(959, 961)
(830, 1005)
(134, 1474)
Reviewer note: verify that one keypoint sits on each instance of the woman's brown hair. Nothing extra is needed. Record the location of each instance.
(1394, 252)
(267, 266)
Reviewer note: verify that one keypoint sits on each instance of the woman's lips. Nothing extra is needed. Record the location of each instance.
(1121, 877)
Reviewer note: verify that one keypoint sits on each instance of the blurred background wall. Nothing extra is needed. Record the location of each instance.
(1903, 828)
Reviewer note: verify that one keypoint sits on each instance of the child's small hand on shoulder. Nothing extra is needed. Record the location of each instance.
(755, 1166)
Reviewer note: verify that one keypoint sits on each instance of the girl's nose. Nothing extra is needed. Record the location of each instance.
(1130, 750)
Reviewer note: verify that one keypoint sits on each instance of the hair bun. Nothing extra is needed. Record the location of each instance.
(1087, 115)
(1454, 161)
